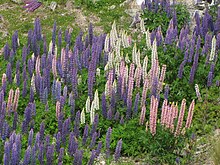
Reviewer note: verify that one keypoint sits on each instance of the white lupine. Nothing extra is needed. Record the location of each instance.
(198, 93)
(212, 54)
(114, 86)
(15, 79)
(79, 81)
(106, 46)
(127, 60)
(142, 26)
(88, 105)
(134, 51)
(92, 113)
(50, 47)
(126, 74)
(138, 61)
(148, 41)
(106, 89)
(145, 67)
(154, 55)
(98, 72)
(96, 100)
(32, 57)
(117, 51)
(33, 83)
(37, 66)
(82, 117)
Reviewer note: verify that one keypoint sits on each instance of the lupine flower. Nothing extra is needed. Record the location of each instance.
(10, 99)
(92, 157)
(27, 156)
(108, 141)
(78, 157)
(94, 125)
(180, 118)
(93, 140)
(213, 50)
(61, 154)
(14, 155)
(82, 117)
(49, 154)
(153, 114)
(198, 93)
(6, 51)
(32, 5)
(73, 145)
(16, 98)
(142, 116)
(85, 134)
(77, 124)
(30, 137)
(190, 114)
(118, 150)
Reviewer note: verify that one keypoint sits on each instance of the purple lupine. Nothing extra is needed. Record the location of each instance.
(118, 150)
(77, 124)
(6, 51)
(98, 149)
(136, 102)
(24, 72)
(14, 155)
(37, 29)
(122, 120)
(49, 154)
(47, 141)
(117, 116)
(33, 155)
(85, 134)
(24, 90)
(27, 156)
(11, 56)
(32, 5)
(6, 158)
(197, 27)
(41, 153)
(90, 34)
(78, 157)
(9, 73)
(73, 145)
(181, 69)
(31, 98)
(217, 23)
(104, 106)
(37, 141)
(42, 129)
(58, 90)
(30, 67)
(58, 142)
(14, 42)
(94, 125)
(166, 91)
(108, 141)
(93, 140)
(109, 114)
(30, 137)
(15, 120)
(61, 154)
(92, 157)
(210, 79)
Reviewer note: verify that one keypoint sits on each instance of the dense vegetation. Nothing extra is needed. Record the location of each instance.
(74, 97)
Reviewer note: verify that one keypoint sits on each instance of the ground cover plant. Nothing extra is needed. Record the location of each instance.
(79, 98)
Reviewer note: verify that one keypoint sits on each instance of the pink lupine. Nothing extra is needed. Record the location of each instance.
(190, 114)
(180, 118)
(142, 116)
(37, 66)
(54, 66)
(131, 71)
(163, 113)
(162, 76)
(16, 98)
(58, 110)
(138, 73)
(153, 115)
(10, 99)
(144, 92)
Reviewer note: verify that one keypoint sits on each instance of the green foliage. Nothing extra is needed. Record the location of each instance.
(216, 151)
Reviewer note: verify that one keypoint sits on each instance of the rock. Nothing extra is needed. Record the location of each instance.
(53, 5)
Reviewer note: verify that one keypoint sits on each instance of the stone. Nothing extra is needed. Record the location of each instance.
(53, 5)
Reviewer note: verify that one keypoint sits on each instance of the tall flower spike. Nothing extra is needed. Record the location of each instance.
(10, 99)
(198, 93)
(16, 98)
(190, 114)
(180, 118)
(88, 105)
(213, 50)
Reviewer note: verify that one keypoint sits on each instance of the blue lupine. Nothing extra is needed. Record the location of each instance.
(14, 155)
(33, 155)
(92, 157)
(109, 114)
(42, 129)
(58, 141)
(78, 157)
(6, 158)
(41, 153)
(117, 116)
(136, 102)
(90, 33)
(58, 90)
(15, 120)
(30, 137)
(210, 78)
(98, 149)
(94, 125)
(77, 124)
(61, 154)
